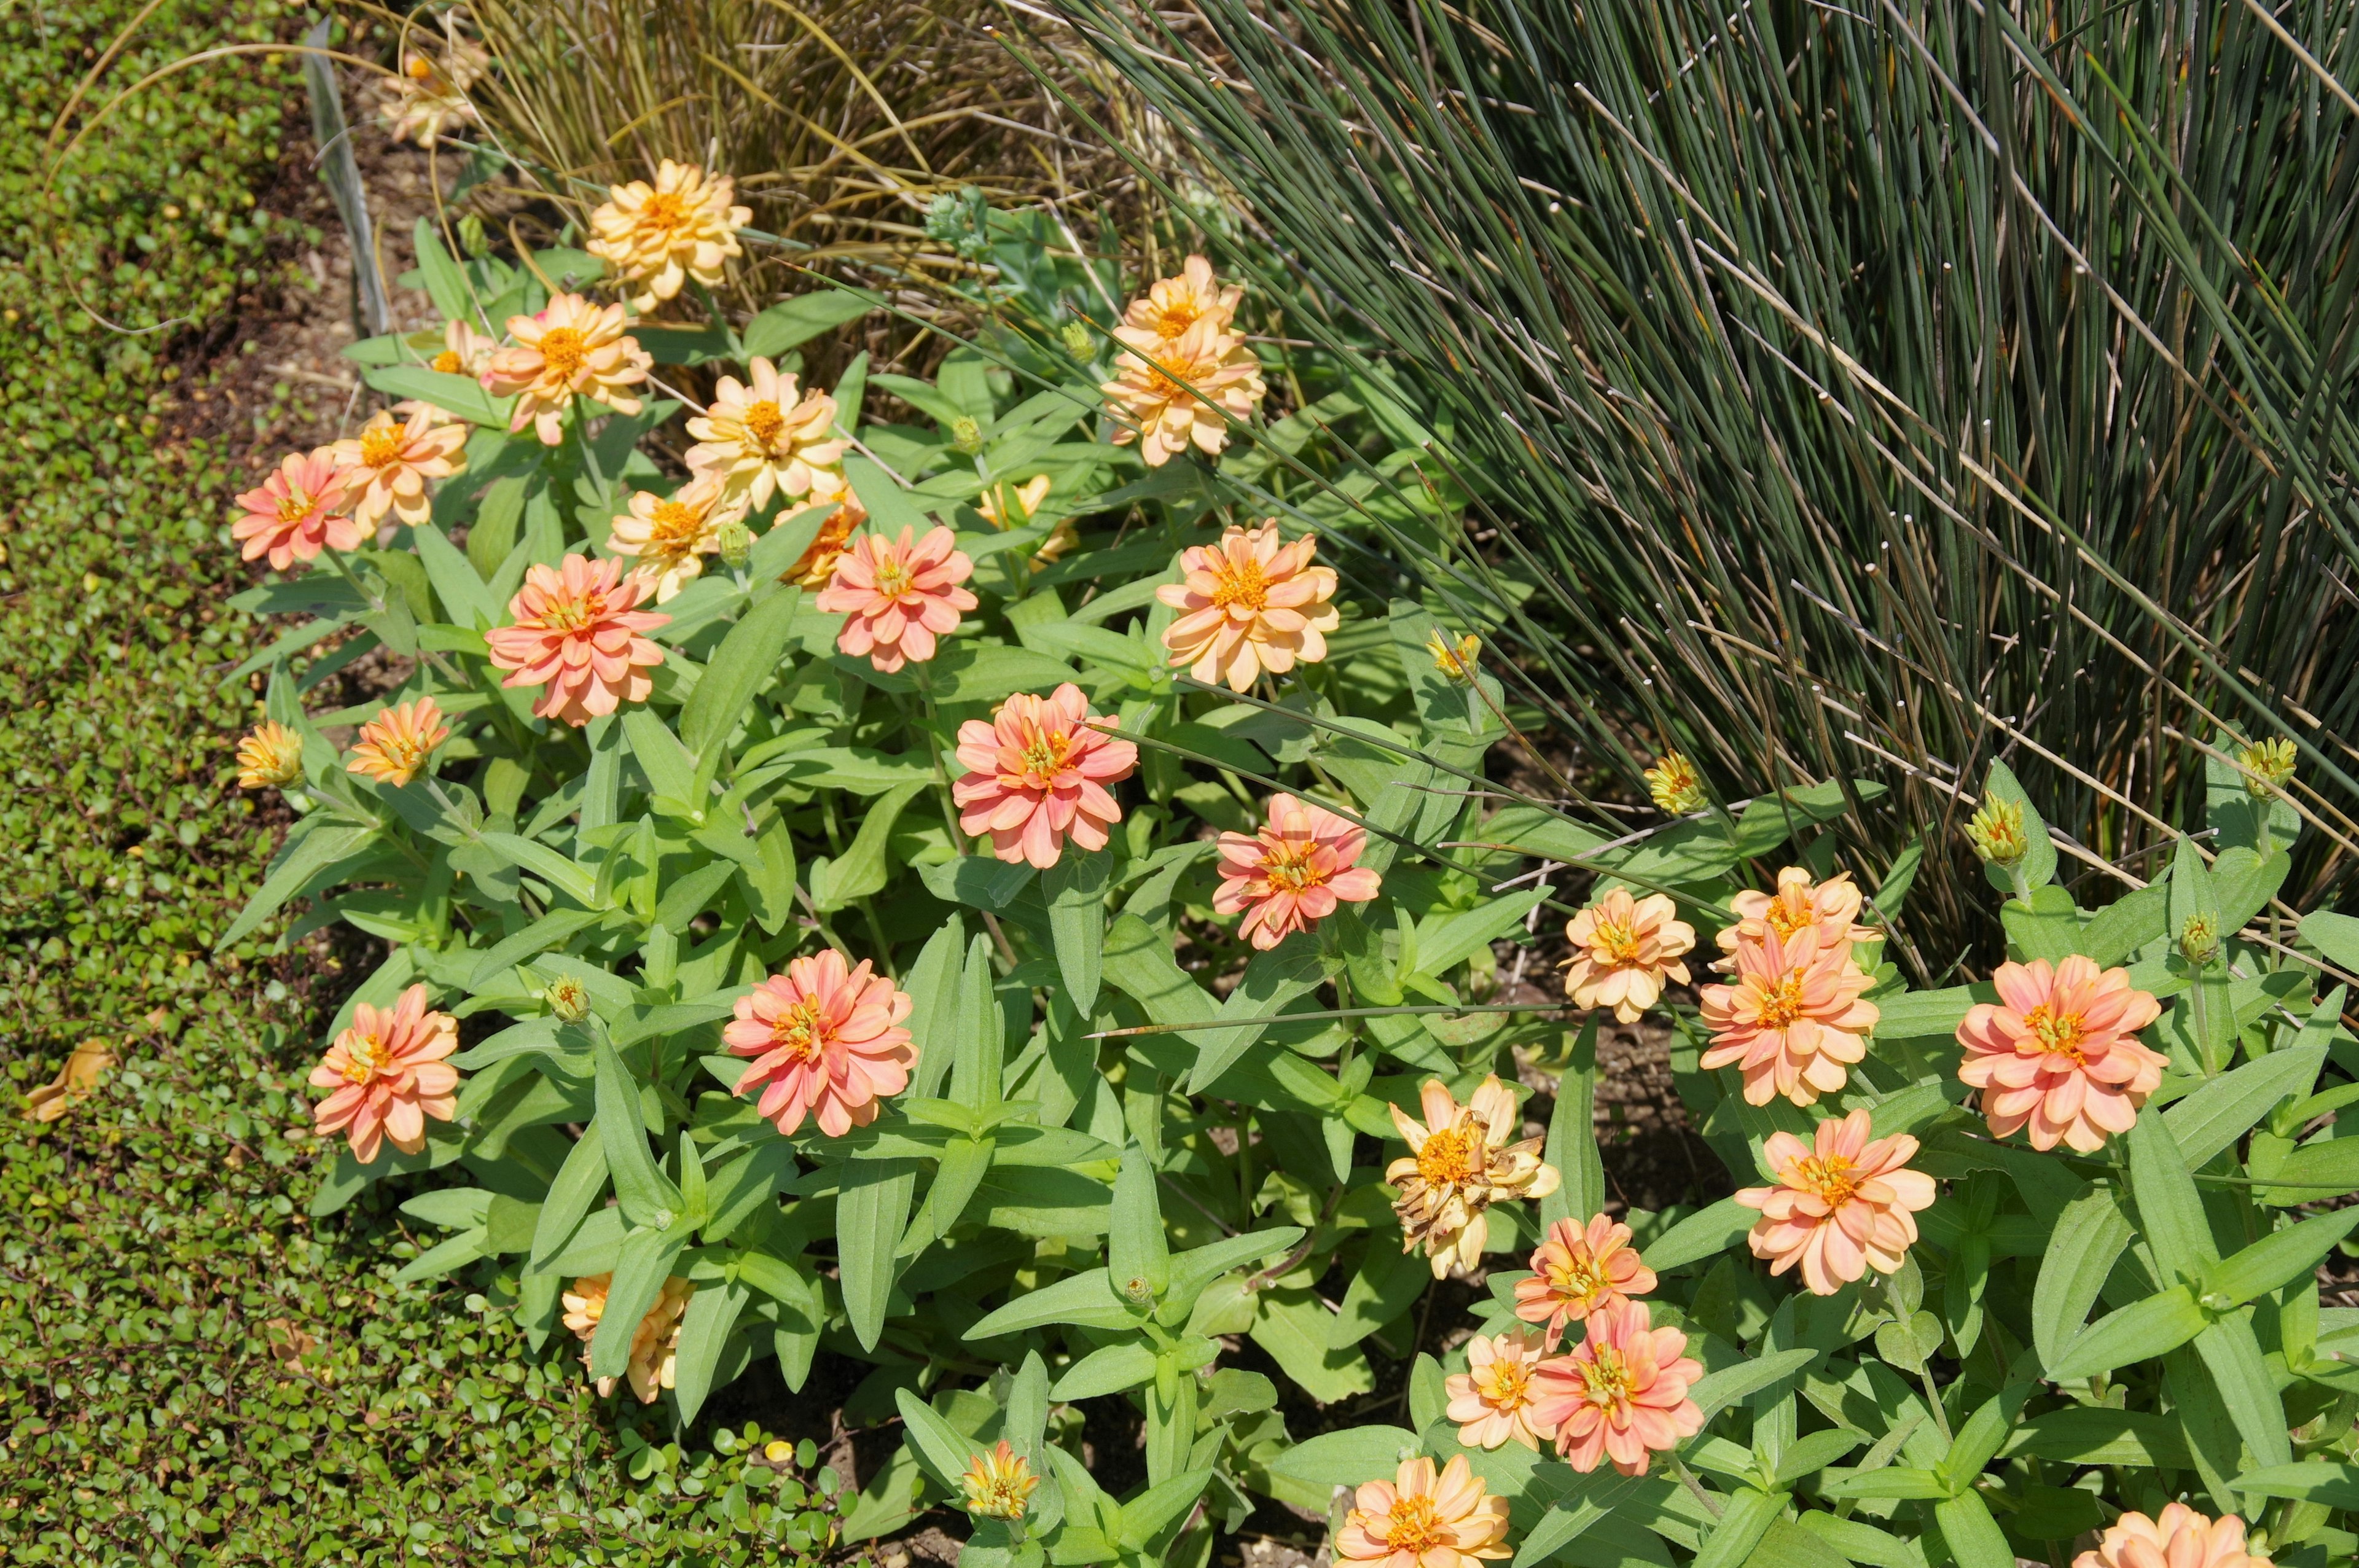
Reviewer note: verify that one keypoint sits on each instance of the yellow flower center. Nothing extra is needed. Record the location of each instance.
(1581, 1282)
(1508, 1381)
(402, 752)
(449, 362)
(1046, 754)
(664, 212)
(1452, 1154)
(1606, 1378)
(420, 69)
(1176, 319)
(2059, 1033)
(574, 614)
(762, 422)
(675, 528)
(1782, 1003)
(1289, 866)
(1242, 587)
(382, 444)
(801, 1030)
(362, 1058)
(1415, 1526)
(1619, 941)
(1833, 1178)
(563, 351)
(893, 579)
(295, 505)
(998, 1489)
(1785, 919)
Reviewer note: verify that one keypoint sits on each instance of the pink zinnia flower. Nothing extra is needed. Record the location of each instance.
(1420, 1520)
(1831, 905)
(389, 1075)
(1623, 948)
(1622, 1393)
(899, 597)
(1841, 1209)
(1037, 776)
(1791, 1021)
(2058, 1052)
(388, 464)
(394, 744)
(2178, 1537)
(1577, 1271)
(825, 1039)
(297, 511)
(576, 633)
(1294, 872)
(1491, 1399)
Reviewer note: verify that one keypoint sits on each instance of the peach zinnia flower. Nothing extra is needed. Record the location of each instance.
(1491, 1399)
(270, 757)
(1172, 305)
(2178, 1537)
(1294, 872)
(655, 1344)
(426, 98)
(1831, 905)
(388, 1074)
(998, 1483)
(1791, 1021)
(761, 439)
(671, 536)
(1037, 775)
(1250, 603)
(465, 351)
(898, 597)
(1175, 394)
(1623, 948)
(577, 633)
(1842, 1207)
(1420, 1519)
(659, 236)
(1577, 1271)
(394, 744)
(297, 511)
(572, 349)
(1461, 1160)
(2058, 1052)
(388, 464)
(825, 1039)
(1622, 1393)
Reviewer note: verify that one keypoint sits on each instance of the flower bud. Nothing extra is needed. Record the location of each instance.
(1457, 663)
(2199, 939)
(1997, 833)
(1676, 787)
(736, 542)
(2267, 767)
(473, 238)
(1078, 342)
(966, 435)
(998, 1483)
(568, 999)
(270, 757)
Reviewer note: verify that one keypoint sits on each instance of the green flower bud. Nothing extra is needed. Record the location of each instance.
(2199, 939)
(1997, 833)
(568, 999)
(2267, 767)
(966, 435)
(1676, 787)
(473, 238)
(736, 542)
(1078, 342)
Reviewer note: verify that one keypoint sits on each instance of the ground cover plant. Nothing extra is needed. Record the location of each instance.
(1002, 884)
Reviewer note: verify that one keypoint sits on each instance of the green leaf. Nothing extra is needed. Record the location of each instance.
(1075, 888)
(1137, 960)
(2277, 1259)
(1160, 1509)
(456, 1252)
(559, 872)
(2335, 1485)
(863, 868)
(1715, 1392)
(317, 849)
(1386, 1284)
(2092, 1434)
(1272, 981)
(2138, 1332)
(2232, 1355)
(1745, 1519)
(465, 598)
(2125, 925)
(746, 1185)
(1809, 1456)
(971, 674)
(871, 1212)
(639, 1275)
(1192, 1270)
(646, 1197)
(2038, 867)
(1137, 1253)
(748, 656)
(1085, 1300)
(1974, 1537)
(2327, 1167)
(1894, 1481)
(2222, 1110)
(459, 394)
(1571, 1145)
(670, 770)
(932, 984)
(704, 1330)
(446, 280)
(2335, 936)
(1980, 1438)
(2048, 927)
(2170, 1212)
(1706, 1234)
(1347, 1457)
(2089, 1238)
(1111, 1370)
(942, 1448)
(790, 323)
(1594, 1497)
(579, 1181)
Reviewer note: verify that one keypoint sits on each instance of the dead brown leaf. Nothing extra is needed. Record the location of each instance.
(76, 1081)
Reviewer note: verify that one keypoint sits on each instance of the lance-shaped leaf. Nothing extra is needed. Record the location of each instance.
(1743, 1520)
(2336, 1486)
(1076, 887)
(2138, 1332)
(579, 1181)
(2276, 1258)
(704, 1330)
(1974, 1538)
(1573, 1138)
(942, 1449)
(646, 1196)
(2221, 1111)
(2089, 1238)
(638, 1278)
(1138, 1260)
(1109, 1370)
(871, 1211)
(2232, 1355)
(2170, 1213)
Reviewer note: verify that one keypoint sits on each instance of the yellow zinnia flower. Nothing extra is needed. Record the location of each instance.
(659, 236)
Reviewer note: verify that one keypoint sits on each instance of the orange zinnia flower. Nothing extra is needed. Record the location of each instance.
(1461, 1160)
(1172, 305)
(389, 1075)
(577, 633)
(297, 511)
(2058, 1052)
(1492, 1401)
(1577, 1271)
(2178, 1537)
(655, 1344)
(1831, 905)
(1250, 603)
(659, 236)
(817, 563)
(394, 744)
(572, 349)
(826, 1039)
(1293, 873)
(761, 437)
(898, 597)
(1792, 1021)
(1420, 1519)
(385, 467)
(998, 1483)
(1840, 1209)
(1182, 392)
(1037, 775)
(1622, 1393)
(270, 757)
(1623, 948)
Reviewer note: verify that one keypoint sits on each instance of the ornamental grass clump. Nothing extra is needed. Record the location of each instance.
(1056, 1027)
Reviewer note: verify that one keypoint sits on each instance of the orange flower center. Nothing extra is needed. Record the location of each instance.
(664, 212)
(894, 579)
(420, 69)
(1289, 866)
(1833, 1178)
(1508, 1379)
(801, 1030)
(675, 528)
(574, 614)
(295, 505)
(382, 444)
(2059, 1033)
(1785, 919)
(1047, 753)
(449, 362)
(1177, 317)
(1781, 1004)
(563, 351)
(1242, 586)
(1606, 1380)
(1452, 1154)
(403, 753)
(1415, 1526)
(762, 422)
(364, 1057)
(1619, 941)
(1580, 1280)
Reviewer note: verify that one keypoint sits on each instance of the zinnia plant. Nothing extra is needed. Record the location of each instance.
(299, 510)
(571, 349)
(659, 235)
(2058, 1054)
(1461, 1160)
(1623, 948)
(826, 1040)
(1843, 1204)
(898, 596)
(1621, 1393)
